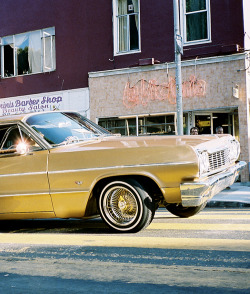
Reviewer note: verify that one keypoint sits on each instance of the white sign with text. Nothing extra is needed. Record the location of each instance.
(77, 99)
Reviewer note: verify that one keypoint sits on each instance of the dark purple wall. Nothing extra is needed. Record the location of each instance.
(84, 41)
(84, 38)
(227, 30)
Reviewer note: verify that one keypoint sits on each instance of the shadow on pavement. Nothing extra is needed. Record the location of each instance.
(62, 226)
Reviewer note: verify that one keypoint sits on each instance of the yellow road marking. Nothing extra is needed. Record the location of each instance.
(225, 217)
(246, 216)
(226, 211)
(215, 211)
(126, 241)
(204, 227)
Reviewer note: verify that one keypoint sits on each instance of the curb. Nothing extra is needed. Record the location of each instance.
(235, 196)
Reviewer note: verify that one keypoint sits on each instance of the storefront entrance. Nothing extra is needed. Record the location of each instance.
(208, 122)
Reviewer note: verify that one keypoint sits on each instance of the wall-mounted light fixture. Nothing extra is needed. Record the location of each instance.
(236, 91)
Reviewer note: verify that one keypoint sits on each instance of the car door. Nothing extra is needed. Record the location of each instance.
(24, 186)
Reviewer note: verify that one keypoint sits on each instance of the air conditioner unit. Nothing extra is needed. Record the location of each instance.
(147, 61)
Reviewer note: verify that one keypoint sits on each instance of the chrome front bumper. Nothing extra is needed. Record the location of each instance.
(196, 193)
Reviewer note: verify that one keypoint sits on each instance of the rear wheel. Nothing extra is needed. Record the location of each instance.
(179, 210)
(125, 206)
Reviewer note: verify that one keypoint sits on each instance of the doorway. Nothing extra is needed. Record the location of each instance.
(208, 122)
(203, 123)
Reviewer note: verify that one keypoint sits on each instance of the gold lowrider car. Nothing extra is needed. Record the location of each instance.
(61, 165)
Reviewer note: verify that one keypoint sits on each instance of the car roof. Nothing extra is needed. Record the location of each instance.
(9, 118)
(22, 116)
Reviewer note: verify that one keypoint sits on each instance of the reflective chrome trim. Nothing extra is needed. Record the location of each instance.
(23, 174)
(196, 193)
(51, 193)
(21, 195)
(68, 192)
(123, 166)
(41, 142)
(218, 157)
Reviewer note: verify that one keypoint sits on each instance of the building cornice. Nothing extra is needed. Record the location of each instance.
(165, 66)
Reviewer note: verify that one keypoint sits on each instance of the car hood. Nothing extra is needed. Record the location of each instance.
(145, 149)
(113, 142)
(113, 151)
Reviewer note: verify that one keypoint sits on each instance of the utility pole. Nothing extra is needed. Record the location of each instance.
(178, 52)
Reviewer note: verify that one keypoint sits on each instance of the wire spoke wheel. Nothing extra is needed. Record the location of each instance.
(125, 206)
(121, 205)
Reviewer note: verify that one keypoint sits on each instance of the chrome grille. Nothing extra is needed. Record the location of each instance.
(218, 159)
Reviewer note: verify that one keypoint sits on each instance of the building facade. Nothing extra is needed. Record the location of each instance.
(113, 61)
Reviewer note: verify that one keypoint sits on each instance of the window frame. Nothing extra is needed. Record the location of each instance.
(142, 124)
(47, 34)
(43, 68)
(116, 30)
(23, 135)
(183, 22)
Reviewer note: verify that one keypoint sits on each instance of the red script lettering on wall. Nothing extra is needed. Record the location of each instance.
(143, 91)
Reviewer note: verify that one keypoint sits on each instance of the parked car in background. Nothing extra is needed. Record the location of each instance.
(62, 165)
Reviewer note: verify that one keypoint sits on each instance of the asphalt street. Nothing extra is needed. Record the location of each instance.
(207, 253)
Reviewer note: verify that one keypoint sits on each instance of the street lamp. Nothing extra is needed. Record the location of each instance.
(178, 52)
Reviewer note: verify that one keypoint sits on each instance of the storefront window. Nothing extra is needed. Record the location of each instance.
(223, 120)
(185, 124)
(157, 125)
(207, 123)
(125, 127)
(236, 126)
(203, 123)
(147, 125)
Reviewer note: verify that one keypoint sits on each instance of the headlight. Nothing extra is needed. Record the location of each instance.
(234, 150)
(204, 162)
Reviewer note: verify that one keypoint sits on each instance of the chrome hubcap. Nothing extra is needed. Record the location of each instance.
(120, 205)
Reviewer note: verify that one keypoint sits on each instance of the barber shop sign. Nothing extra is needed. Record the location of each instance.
(9, 106)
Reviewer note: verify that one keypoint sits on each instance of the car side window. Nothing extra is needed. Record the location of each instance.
(2, 133)
(11, 139)
(12, 135)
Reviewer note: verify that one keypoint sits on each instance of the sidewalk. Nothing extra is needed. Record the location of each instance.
(238, 195)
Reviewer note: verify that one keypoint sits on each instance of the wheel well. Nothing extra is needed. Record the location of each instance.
(149, 185)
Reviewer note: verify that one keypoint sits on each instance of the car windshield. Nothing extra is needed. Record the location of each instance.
(64, 128)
